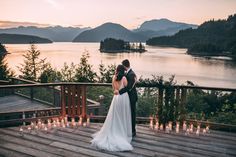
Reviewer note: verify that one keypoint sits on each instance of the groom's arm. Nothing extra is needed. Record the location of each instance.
(129, 85)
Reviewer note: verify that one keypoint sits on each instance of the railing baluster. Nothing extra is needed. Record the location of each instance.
(183, 104)
(78, 100)
(63, 103)
(160, 102)
(83, 102)
(73, 100)
(69, 100)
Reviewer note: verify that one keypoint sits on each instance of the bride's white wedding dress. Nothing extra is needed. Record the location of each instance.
(116, 132)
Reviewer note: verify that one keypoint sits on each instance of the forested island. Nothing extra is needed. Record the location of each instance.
(21, 39)
(111, 45)
(210, 38)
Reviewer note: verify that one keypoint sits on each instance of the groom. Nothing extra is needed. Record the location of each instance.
(131, 89)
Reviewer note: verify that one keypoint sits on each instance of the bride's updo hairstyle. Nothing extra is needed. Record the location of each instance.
(120, 72)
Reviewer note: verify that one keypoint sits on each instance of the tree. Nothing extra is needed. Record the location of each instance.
(68, 72)
(84, 72)
(106, 74)
(49, 74)
(5, 72)
(32, 64)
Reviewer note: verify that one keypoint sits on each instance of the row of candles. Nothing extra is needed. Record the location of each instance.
(54, 123)
(187, 129)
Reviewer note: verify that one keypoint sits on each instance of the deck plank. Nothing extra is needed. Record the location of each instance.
(18, 103)
(147, 143)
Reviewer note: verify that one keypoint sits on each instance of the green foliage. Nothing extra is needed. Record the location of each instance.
(68, 72)
(5, 72)
(114, 45)
(105, 74)
(49, 74)
(84, 72)
(214, 37)
(3, 50)
(32, 64)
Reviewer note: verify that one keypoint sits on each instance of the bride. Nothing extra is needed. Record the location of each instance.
(116, 132)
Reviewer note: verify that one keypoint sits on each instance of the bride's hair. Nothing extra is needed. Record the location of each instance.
(120, 72)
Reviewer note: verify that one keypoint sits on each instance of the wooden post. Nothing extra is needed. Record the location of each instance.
(160, 104)
(73, 100)
(183, 104)
(83, 93)
(69, 100)
(63, 105)
(78, 91)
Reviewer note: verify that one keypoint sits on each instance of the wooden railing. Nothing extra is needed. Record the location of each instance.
(73, 97)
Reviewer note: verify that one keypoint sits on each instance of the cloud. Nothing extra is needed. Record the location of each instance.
(10, 24)
(53, 3)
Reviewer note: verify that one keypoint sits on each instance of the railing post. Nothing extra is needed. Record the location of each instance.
(63, 105)
(160, 103)
(73, 100)
(83, 92)
(183, 104)
(78, 91)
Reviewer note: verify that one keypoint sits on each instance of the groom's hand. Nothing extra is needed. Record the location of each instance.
(116, 92)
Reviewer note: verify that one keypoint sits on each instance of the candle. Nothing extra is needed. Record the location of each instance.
(204, 131)
(68, 124)
(167, 129)
(197, 132)
(21, 131)
(177, 127)
(207, 128)
(191, 128)
(157, 126)
(32, 125)
(84, 124)
(187, 131)
(151, 122)
(161, 127)
(36, 127)
(184, 126)
(88, 121)
(170, 126)
(198, 127)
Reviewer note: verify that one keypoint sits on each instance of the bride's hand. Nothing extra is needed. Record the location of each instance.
(116, 92)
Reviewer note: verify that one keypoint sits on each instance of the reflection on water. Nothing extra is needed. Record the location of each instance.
(216, 72)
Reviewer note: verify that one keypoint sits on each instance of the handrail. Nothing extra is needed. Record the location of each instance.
(109, 84)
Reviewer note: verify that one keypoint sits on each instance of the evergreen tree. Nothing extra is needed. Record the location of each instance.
(5, 72)
(84, 72)
(68, 72)
(32, 64)
(49, 74)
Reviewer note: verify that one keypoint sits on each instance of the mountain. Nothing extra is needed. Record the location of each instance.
(21, 39)
(57, 33)
(161, 27)
(211, 37)
(109, 30)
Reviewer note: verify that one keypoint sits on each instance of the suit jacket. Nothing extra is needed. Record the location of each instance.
(131, 87)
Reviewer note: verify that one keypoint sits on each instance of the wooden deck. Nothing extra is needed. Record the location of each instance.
(18, 103)
(76, 142)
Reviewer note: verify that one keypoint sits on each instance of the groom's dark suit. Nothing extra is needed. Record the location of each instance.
(133, 96)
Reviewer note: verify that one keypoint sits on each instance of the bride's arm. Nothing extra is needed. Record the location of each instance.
(125, 82)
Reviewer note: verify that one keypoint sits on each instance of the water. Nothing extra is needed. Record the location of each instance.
(214, 72)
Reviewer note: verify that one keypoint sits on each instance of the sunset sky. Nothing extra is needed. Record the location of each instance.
(91, 13)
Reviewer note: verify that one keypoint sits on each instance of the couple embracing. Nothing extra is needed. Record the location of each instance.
(119, 127)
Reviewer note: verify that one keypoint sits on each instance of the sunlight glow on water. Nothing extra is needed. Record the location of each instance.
(157, 60)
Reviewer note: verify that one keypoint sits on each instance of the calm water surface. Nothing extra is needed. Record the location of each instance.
(216, 72)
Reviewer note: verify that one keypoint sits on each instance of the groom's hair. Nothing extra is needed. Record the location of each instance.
(126, 63)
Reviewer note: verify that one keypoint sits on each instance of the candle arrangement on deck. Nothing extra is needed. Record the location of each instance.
(50, 124)
(174, 127)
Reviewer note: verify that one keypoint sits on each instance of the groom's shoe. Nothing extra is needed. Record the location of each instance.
(134, 134)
